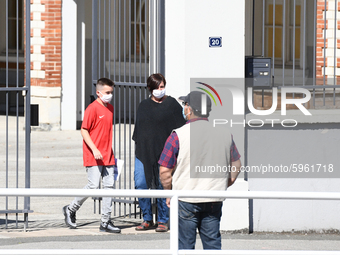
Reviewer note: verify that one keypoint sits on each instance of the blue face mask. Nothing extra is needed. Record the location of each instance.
(184, 115)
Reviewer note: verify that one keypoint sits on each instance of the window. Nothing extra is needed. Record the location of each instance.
(286, 15)
(139, 19)
(15, 25)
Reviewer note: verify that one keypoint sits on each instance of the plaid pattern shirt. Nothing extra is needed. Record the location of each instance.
(169, 154)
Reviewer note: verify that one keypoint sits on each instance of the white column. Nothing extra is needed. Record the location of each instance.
(69, 66)
(188, 26)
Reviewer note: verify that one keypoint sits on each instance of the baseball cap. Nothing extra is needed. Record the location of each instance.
(194, 99)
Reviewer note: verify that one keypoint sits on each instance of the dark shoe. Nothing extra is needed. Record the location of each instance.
(109, 227)
(162, 227)
(70, 217)
(145, 225)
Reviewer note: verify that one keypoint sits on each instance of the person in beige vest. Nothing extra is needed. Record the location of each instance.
(199, 156)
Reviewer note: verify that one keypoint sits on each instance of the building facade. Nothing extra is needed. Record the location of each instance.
(75, 42)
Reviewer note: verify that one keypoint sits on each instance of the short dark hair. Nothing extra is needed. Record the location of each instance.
(154, 81)
(104, 81)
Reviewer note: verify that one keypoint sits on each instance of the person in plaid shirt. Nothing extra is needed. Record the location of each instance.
(198, 145)
(169, 154)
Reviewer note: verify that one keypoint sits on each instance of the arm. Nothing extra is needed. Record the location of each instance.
(235, 170)
(165, 175)
(235, 164)
(87, 138)
(168, 161)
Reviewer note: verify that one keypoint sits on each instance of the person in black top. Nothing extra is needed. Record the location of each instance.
(156, 117)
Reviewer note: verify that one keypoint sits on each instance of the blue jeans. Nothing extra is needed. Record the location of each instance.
(202, 216)
(145, 203)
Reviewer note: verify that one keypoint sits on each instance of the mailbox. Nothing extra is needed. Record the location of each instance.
(258, 72)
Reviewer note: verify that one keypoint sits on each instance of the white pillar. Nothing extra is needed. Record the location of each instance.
(188, 26)
(69, 66)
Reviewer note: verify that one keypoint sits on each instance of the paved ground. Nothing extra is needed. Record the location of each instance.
(88, 237)
(57, 163)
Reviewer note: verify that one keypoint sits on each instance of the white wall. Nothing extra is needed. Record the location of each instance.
(47, 98)
(313, 143)
(188, 26)
(69, 65)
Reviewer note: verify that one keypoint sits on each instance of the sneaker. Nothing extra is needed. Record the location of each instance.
(145, 225)
(70, 217)
(162, 227)
(109, 227)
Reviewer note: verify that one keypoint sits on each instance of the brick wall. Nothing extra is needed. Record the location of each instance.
(325, 43)
(46, 62)
(46, 43)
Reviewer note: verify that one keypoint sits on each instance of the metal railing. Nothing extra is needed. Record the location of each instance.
(127, 97)
(126, 45)
(120, 40)
(11, 90)
(299, 37)
(174, 195)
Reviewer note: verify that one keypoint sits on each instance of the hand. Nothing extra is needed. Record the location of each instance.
(97, 155)
(231, 182)
(168, 202)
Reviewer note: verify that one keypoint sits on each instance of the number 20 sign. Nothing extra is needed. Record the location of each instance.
(215, 41)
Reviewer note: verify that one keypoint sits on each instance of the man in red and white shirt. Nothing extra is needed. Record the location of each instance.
(98, 156)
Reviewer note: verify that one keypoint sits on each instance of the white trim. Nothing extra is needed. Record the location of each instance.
(37, 7)
(174, 195)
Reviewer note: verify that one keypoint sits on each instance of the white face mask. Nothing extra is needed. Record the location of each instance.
(157, 93)
(106, 98)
